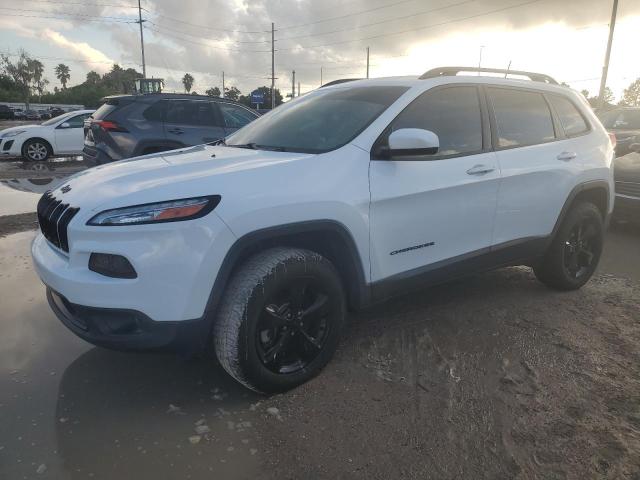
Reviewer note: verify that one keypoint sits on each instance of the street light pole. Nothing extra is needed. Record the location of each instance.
(273, 67)
(144, 67)
(367, 62)
(605, 68)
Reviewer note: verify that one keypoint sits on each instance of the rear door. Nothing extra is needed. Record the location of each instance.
(69, 135)
(235, 116)
(433, 209)
(192, 122)
(539, 164)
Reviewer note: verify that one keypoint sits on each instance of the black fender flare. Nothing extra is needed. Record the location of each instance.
(356, 285)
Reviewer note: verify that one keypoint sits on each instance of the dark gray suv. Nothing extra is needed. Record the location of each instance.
(130, 125)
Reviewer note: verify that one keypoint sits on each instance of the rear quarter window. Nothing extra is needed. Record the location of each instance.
(103, 111)
(522, 117)
(570, 117)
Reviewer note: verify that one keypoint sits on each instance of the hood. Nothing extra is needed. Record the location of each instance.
(18, 128)
(627, 168)
(189, 172)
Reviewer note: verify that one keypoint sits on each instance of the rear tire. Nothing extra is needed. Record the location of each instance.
(280, 319)
(575, 250)
(36, 150)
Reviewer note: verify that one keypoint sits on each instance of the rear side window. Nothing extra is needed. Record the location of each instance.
(154, 113)
(570, 117)
(190, 112)
(621, 119)
(451, 113)
(523, 118)
(234, 116)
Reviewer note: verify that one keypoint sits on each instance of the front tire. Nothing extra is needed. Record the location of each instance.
(35, 150)
(280, 319)
(575, 251)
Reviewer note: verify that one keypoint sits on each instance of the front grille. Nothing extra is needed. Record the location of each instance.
(54, 217)
(628, 188)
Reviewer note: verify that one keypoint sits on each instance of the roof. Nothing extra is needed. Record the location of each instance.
(177, 96)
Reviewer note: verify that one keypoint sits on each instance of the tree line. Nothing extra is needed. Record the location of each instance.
(23, 80)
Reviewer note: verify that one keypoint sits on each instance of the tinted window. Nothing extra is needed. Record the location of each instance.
(190, 112)
(104, 110)
(154, 112)
(621, 119)
(451, 113)
(320, 121)
(523, 118)
(234, 116)
(571, 119)
(77, 121)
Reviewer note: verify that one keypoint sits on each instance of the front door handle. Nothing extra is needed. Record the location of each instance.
(567, 156)
(177, 131)
(480, 170)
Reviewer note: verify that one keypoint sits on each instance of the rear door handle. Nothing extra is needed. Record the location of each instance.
(177, 131)
(567, 156)
(480, 170)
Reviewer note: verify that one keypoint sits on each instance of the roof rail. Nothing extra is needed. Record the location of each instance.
(341, 80)
(453, 71)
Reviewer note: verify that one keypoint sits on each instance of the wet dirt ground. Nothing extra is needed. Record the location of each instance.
(493, 377)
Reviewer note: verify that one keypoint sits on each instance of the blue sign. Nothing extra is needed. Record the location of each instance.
(257, 97)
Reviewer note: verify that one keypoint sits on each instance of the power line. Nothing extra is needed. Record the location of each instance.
(211, 39)
(206, 27)
(98, 20)
(161, 32)
(66, 14)
(401, 32)
(84, 4)
(359, 27)
(63, 59)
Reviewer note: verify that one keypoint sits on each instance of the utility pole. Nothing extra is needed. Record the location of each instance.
(320, 76)
(298, 88)
(273, 67)
(367, 62)
(605, 68)
(223, 84)
(144, 67)
(293, 85)
(480, 60)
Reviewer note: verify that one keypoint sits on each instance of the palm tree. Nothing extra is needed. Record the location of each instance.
(63, 74)
(37, 72)
(187, 81)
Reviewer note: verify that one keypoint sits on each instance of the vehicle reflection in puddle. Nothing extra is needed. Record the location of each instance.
(21, 195)
(76, 411)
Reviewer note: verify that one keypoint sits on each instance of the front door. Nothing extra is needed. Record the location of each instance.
(430, 211)
(70, 135)
(192, 122)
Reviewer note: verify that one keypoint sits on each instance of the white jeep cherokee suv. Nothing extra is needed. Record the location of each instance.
(338, 199)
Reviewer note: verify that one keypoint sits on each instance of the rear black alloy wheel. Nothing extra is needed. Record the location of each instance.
(280, 319)
(581, 248)
(575, 250)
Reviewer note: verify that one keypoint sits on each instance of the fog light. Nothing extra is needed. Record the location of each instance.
(115, 266)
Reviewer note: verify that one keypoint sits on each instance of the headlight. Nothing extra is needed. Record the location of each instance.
(171, 211)
(12, 134)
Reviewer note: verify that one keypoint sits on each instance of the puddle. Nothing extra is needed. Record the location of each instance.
(71, 410)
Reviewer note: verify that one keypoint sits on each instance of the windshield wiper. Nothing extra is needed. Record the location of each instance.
(255, 146)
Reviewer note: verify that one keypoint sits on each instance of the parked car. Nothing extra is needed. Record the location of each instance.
(18, 113)
(624, 122)
(344, 197)
(627, 176)
(62, 135)
(6, 113)
(132, 125)
(31, 115)
(55, 111)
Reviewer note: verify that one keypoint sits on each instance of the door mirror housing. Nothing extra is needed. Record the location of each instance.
(65, 125)
(635, 147)
(412, 142)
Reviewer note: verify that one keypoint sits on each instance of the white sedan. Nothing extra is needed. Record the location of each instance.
(62, 135)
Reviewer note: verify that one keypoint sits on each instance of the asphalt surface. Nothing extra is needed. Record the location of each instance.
(494, 376)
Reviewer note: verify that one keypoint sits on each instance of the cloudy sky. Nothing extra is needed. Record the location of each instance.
(564, 38)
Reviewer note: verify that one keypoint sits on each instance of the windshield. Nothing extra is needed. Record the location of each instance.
(54, 120)
(319, 122)
(621, 119)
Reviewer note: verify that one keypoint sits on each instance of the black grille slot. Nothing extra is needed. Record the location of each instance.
(54, 217)
(628, 188)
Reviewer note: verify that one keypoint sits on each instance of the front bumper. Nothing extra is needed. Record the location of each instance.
(10, 147)
(121, 329)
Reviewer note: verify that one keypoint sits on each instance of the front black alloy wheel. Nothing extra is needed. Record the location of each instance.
(280, 319)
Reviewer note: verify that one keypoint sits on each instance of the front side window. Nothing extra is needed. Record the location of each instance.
(451, 113)
(77, 121)
(318, 122)
(523, 118)
(234, 116)
(570, 117)
(190, 112)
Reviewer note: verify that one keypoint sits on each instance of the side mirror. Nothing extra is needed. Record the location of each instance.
(635, 147)
(64, 125)
(412, 142)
